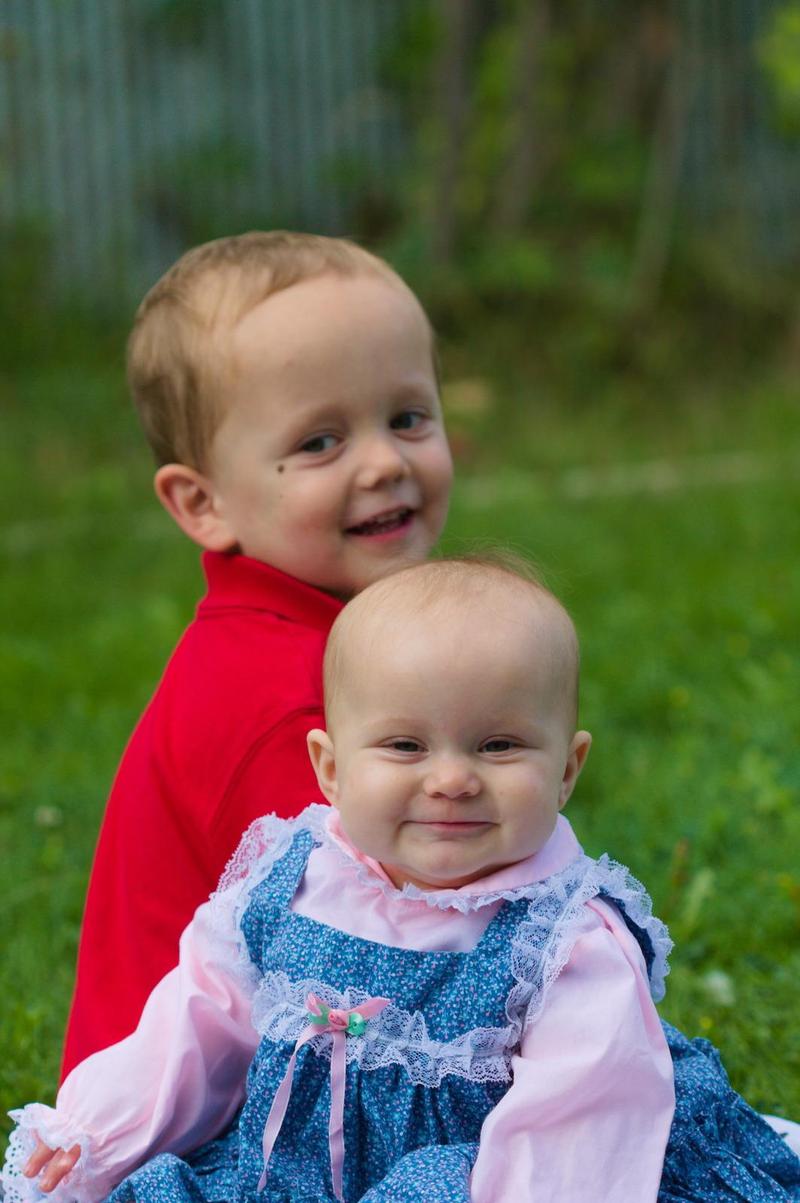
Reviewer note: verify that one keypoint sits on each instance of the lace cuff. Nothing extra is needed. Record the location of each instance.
(83, 1184)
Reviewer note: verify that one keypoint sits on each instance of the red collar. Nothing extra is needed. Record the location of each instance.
(244, 583)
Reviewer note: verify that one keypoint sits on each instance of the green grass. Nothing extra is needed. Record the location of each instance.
(686, 599)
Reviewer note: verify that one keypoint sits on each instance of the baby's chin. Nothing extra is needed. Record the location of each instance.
(424, 879)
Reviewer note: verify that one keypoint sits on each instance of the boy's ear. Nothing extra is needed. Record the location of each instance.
(189, 498)
(576, 758)
(323, 759)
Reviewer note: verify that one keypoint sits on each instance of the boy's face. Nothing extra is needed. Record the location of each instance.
(331, 462)
(450, 750)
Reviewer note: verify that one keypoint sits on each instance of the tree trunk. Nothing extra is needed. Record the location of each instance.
(523, 167)
(453, 97)
(659, 200)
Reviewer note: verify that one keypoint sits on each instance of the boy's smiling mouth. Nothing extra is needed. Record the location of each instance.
(387, 523)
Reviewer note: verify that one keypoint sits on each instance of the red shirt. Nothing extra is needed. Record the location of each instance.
(221, 742)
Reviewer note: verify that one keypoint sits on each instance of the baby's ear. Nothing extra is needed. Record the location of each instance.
(323, 759)
(576, 758)
(189, 498)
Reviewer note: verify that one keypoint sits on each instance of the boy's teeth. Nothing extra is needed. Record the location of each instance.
(376, 526)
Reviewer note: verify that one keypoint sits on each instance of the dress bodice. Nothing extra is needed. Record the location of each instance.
(436, 1005)
(440, 1051)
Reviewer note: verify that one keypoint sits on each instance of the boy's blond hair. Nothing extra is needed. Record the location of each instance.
(177, 365)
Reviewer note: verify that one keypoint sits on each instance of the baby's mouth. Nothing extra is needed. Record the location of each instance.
(383, 524)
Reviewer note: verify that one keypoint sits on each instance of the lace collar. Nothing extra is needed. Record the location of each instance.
(514, 881)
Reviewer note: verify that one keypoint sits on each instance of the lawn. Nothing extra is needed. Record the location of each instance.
(672, 535)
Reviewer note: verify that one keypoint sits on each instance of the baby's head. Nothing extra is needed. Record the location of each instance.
(287, 386)
(451, 693)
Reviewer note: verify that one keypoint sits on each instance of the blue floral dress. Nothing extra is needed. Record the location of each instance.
(422, 1076)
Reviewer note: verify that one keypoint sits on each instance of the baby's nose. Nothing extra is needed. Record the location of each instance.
(451, 777)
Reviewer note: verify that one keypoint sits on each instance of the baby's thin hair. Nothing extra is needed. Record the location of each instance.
(177, 362)
(432, 586)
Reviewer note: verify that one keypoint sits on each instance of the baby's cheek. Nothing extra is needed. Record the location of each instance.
(382, 787)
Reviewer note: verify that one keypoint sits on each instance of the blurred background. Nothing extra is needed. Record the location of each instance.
(597, 202)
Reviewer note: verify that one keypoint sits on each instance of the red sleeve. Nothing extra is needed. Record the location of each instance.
(276, 776)
(154, 866)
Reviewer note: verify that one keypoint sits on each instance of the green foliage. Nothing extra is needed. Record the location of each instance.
(597, 253)
(513, 266)
(405, 59)
(182, 22)
(543, 184)
(37, 326)
(188, 190)
(780, 58)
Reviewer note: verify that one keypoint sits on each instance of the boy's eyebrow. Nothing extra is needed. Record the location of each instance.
(414, 386)
(310, 412)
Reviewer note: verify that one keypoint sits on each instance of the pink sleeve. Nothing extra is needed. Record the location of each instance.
(589, 1111)
(168, 1087)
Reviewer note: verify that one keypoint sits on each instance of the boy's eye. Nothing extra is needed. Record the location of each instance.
(498, 745)
(409, 419)
(319, 443)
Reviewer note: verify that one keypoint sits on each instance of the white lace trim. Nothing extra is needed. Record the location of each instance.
(265, 841)
(621, 886)
(263, 844)
(394, 1037)
(79, 1186)
(268, 838)
(541, 946)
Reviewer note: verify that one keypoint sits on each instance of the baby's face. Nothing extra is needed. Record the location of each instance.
(450, 750)
(331, 462)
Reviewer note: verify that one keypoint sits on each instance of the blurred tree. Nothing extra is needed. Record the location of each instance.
(452, 85)
(661, 52)
(551, 154)
(779, 53)
(525, 155)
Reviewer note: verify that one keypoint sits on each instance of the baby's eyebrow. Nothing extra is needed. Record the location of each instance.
(395, 726)
(392, 728)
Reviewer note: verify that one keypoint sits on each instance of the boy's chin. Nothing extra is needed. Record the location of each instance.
(377, 567)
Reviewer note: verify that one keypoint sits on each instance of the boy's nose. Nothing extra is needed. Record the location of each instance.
(451, 778)
(381, 462)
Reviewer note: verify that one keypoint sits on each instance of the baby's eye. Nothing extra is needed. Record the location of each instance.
(319, 443)
(409, 419)
(498, 744)
(404, 745)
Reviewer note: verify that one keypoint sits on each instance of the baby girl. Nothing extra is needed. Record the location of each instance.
(425, 991)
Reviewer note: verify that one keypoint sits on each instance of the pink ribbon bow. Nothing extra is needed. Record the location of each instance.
(340, 1024)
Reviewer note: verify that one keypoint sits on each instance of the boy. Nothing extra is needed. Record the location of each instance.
(286, 384)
